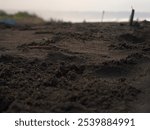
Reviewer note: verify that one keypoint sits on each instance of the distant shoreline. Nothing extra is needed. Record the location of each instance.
(90, 16)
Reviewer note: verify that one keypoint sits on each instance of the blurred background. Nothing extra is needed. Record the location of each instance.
(77, 10)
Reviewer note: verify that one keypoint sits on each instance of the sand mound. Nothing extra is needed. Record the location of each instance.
(132, 38)
(112, 71)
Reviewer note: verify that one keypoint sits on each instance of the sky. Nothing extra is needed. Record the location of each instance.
(75, 5)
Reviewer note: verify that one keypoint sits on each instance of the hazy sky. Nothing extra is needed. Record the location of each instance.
(76, 5)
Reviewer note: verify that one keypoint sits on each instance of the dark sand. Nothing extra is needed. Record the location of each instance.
(64, 67)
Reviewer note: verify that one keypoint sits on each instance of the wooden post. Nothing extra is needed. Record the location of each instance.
(132, 17)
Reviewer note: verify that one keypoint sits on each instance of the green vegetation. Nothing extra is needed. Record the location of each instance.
(3, 14)
(21, 17)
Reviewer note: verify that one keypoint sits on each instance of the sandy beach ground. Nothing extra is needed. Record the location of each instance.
(80, 67)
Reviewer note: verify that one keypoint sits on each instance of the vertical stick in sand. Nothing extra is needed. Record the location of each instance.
(132, 17)
(103, 13)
